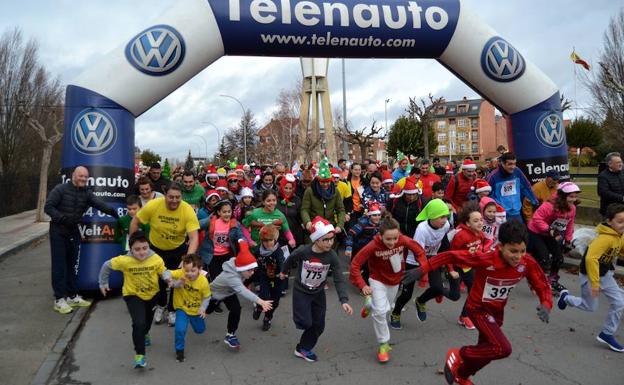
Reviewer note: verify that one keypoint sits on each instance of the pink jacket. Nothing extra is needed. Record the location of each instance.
(546, 218)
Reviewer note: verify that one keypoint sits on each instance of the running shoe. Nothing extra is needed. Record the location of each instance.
(159, 314)
(256, 312)
(139, 361)
(453, 362)
(307, 355)
(611, 341)
(421, 310)
(148, 340)
(561, 302)
(180, 355)
(383, 355)
(231, 341)
(556, 287)
(466, 322)
(61, 306)
(78, 301)
(266, 324)
(395, 321)
(171, 319)
(439, 298)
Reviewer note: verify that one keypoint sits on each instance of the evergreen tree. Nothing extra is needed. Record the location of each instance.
(189, 165)
(166, 170)
(406, 135)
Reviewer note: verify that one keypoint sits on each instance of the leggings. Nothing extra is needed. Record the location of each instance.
(547, 251)
(142, 314)
(270, 289)
(436, 288)
(234, 309)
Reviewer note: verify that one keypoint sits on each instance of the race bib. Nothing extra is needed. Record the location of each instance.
(497, 289)
(508, 188)
(488, 231)
(313, 274)
(222, 239)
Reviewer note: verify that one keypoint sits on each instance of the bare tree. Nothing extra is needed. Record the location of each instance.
(362, 138)
(566, 104)
(422, 111)
(308, 148)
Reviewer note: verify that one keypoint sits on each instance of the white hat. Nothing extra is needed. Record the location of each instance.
(320, 228)
(246, 192)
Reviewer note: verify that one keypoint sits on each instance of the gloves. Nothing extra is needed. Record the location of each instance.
(543, 313)
(411, 276)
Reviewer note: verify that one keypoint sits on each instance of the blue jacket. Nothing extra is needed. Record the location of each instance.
(398, 174)
(381, 197)
(360, 234)
(206, 249)
(510, 189)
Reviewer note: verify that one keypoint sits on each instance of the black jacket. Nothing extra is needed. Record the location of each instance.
(610, 189)
(406, 213)
(67, 203)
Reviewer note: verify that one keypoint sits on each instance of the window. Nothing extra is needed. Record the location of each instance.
(475, 135)
(441, 124)
(452, 109)
(442, 149)
(462, 148)
(461, 135)
(462, 109)
(452, 134)
(475, 107)
(453, 146)
(474, 123)
(442, 137)
(475, 148)
(461, 123)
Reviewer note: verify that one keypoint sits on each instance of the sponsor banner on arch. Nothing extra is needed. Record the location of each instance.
(347, 28)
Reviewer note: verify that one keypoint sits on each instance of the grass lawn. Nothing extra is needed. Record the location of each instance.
(589, 195)
(584, 170)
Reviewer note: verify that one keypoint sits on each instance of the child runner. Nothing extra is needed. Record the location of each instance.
(437, 190)
(496, 274)
(268, 214)
(385, 257)
(245, 205)
(228, 284)
(468, 237)
(122, 228)
(597, 276)
(141, 268)
(429, 234)
(270, 259)
(190, 299)
(363, 232)
(552, 226)
(493, 217)
(313, 262)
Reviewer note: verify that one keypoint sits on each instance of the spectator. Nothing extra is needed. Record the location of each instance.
(543, 190)
(611, 182)
(459, 185)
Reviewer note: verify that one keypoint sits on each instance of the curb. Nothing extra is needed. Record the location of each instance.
(23, 244)
(49, 366)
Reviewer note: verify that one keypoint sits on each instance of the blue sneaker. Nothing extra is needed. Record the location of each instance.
(148, 340)
(395, 321)
(231, 341)
(139, 361)
(307, 355)
(421, 311)
(561, 303)
(611, 341)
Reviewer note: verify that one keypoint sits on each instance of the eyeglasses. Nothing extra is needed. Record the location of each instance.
(233, 181)
(328, 240)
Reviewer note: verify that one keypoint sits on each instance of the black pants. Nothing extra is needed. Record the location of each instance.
(172, 259)
(65, 252)
(234, 309)
(309, 316)
(436, 288)
(142, 314)
(270, 289)
(405, 292)
(547, 252)
(467, 278)
(215, 267)
(364, 268)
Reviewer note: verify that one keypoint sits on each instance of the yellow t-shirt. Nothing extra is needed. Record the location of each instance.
(140, 277)
(343, 189)
(188, 297)
(168, 228)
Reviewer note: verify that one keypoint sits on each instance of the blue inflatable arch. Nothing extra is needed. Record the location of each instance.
(103, 102)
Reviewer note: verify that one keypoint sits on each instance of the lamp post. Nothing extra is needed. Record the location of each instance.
(345, 145)
(244, 128)
(218, 133)
(386, 111)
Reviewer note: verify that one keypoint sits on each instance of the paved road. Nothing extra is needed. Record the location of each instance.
(562, 352)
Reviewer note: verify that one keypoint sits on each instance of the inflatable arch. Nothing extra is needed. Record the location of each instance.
(103, 102)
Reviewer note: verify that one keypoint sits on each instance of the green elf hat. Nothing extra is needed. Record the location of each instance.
(400, 156)
(436, 208)
(324, 175)
(233, 163)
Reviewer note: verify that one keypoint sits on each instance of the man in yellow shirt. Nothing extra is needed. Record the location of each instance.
(171, 221)
(543, 190)
(190, 299)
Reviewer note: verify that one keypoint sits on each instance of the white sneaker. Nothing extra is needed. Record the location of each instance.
(171, 318)
(61, 306)
(158, 314)
(77, 301)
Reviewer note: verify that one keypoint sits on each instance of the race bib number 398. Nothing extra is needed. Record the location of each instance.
(498, 289)
(313, 274)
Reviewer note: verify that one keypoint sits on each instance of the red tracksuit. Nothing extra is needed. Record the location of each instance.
(494, 280)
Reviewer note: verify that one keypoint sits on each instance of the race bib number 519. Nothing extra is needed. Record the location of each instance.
(498, 289)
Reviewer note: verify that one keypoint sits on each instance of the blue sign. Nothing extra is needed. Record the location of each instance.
(347, 28)
(501, 61)
(157, 51)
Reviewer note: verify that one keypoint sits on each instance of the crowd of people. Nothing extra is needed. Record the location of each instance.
(202, 240)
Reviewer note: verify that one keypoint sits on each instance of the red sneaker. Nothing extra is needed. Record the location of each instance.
(439, 299)
(466, 322)
(453, 362)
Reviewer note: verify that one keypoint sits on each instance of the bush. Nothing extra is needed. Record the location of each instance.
(586, 161)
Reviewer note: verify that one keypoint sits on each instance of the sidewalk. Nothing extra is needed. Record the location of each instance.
(19, 231)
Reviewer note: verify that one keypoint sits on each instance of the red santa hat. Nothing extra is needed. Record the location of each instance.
(500, 211)
(335, 173)
(239, 167)
(221, 185)
(320, 228)
(244, 260)
(386, 177)
(212, 172)
(480, 185)
(373, 208)
(469, 165)
(449, 169)
(210, 193)
(232, 175)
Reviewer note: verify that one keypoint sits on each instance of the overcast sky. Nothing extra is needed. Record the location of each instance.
(73, 34)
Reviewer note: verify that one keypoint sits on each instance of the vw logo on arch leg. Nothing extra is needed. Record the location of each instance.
(93, 132)
(501, 61)
(156, 51)
(549, 129)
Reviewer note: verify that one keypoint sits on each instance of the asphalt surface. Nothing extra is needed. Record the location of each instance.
(564, 351)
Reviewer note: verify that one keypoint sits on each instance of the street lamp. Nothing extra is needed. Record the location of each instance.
(386, 108)
(244, 128)
(218, 132)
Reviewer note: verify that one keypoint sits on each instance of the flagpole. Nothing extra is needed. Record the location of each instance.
(575, 99)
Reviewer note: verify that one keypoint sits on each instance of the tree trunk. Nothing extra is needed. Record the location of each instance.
(363, 152)
(426, 139)
(43, 180)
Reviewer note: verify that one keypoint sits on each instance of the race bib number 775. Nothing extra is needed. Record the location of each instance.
(313, 274)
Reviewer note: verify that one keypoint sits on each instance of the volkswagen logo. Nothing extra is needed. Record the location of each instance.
(549, 129)
(157, 51)
(501, 61)
(93, 132)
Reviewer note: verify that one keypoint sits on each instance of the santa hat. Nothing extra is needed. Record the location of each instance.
(449, 169)
(335, 173)
(246, 167)
(232, 175)
(500, 211)
(323, 173)
(210, 194)
(469, 165)
(239, 167)
(320, 228)
(269, 232)
(221, 185)
(246, 192)
(410, 186)
(212, 173)
(480, 185)
(244, 260)
(373, 208)
(386, 177)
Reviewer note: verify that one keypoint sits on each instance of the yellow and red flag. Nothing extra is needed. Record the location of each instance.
(577, 59)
